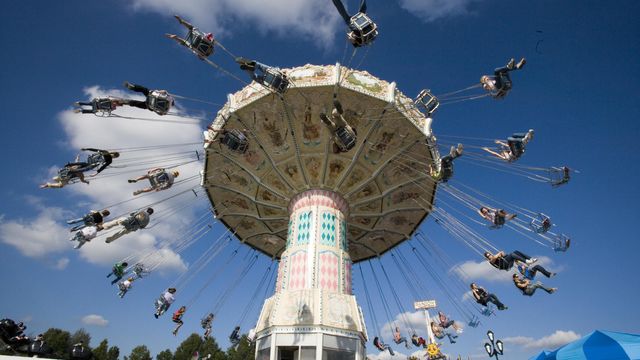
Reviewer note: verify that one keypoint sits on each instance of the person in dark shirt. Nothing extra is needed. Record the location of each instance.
(103, 106)
(234, 338)
(158, 101)
(100, 158)
(207, 324)
(497, 217)
(528, 288)
(418, 340)
(500, 83)
(484, 298)
(380, 345)
(503, 261)
(93, 218)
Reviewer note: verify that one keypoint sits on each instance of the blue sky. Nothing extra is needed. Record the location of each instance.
(579, 92)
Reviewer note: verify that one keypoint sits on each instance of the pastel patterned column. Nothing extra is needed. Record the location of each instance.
(313, 307)
(317, 251)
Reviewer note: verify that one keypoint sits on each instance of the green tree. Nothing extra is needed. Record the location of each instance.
(188, 347)
(165, 355)
(140, 352)
(78, 336)
(5, 350)
(100, 352)
(194, 343)
(59, 340)
(244, 351)
(113, 353)
(210, 346)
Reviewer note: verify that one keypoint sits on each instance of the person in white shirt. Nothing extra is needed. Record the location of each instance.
(84, 235)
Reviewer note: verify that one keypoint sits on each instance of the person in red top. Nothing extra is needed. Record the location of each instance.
(177, 318)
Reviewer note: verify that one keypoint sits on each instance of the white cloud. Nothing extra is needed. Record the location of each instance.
(36, 237)
(95, 320)
(482, 270)
(315, 19)
(416, 320)
(553, 341)
(46, 234)
(62, 263)
(118, 133)
(430, 10)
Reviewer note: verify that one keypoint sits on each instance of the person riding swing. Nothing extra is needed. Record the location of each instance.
(159, 179)
(202, 44)
(344, 136)
(500, 83)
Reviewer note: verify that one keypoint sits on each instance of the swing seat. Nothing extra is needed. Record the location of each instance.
(474, 322)
(487, 311)
(159, 179)
(117, 272)
(66, 175)
(363, 30)
(161, 306)
(8, 329)
(541, 224)
(103, 105)
(199, 43)
(95, 159)
(236, 141)
(559, 175)
(499, 219)
(139, 270)
(516, 146)
(272, 78)
(561, 243)
(426, 100)
(345, 138)
(81, 353)
(131, 224)
(446, 169)
(159, 102)
(39, 348)
(503, 85)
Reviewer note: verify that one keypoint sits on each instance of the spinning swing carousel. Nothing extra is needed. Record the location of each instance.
(295, 196)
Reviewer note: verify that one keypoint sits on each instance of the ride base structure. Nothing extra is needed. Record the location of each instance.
(292, 196)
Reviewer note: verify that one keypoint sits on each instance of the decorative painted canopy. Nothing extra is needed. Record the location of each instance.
(384, 178)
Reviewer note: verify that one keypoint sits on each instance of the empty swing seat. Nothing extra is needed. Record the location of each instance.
(236, 141)
(272, 78)
(363, 30)
(426, 100)
(346, 139)
(541, 223)
(103, 105)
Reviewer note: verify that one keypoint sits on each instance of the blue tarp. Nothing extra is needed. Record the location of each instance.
(599, 345)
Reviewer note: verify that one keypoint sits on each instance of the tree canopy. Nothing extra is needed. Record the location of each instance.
(194, 347)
